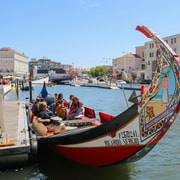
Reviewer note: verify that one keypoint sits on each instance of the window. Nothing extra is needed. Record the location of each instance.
(172, 41)
(143, 54)
(151, 45)
(151, 54)
(143, 66)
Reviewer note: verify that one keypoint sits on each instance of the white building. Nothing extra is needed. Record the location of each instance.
(150, 51)
(13, 63)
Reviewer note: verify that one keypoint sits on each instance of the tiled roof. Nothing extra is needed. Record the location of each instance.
(12, 50)
(127, 56)
(130, 56)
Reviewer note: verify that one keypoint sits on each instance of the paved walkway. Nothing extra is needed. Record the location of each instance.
(14, 134)
(14, 123)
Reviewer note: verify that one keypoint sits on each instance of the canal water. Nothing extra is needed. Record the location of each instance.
(162, 163)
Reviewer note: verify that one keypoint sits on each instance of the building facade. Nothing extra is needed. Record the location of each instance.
(151, 50)
(46, 67)
(127, 66)
(13, 63)
(143, 63)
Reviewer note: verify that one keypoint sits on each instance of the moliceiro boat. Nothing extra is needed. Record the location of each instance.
(130, 135)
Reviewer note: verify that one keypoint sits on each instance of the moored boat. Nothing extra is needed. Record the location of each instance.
(40, 81)
(6, 88)
(130, 135)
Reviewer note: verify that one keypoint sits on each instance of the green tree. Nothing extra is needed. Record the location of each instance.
(96, 71)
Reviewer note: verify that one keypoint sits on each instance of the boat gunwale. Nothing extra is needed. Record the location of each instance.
(96, 131)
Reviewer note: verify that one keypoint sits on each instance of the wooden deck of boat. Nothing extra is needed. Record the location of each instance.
(15, 139)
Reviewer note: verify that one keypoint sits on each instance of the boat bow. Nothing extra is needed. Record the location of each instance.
(160, 102)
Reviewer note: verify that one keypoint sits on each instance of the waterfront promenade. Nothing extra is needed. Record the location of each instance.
(14, 135)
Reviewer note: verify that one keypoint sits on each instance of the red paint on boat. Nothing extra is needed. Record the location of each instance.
(144, 88)
(98, 156)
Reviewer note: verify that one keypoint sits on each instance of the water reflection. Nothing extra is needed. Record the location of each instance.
(56, 167)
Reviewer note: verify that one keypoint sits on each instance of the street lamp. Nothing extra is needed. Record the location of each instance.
(106, 61)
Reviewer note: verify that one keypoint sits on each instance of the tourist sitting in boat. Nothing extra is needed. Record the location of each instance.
(69, 104)
(45, 118)
(58, 103)
(61, 98)
(73, 108)
(80, 111)
(60, 106)
(34, 108)
(70, 100)
(61, 110)
(55, 97)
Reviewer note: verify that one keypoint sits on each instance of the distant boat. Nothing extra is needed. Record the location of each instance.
(130, 86)
(7, 88)
(62, 80)
(26, 88)
(50, 84)
(40, 81)
(73, 83)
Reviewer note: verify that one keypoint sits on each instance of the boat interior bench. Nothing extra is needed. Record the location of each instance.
(104, 117)
(88, 113)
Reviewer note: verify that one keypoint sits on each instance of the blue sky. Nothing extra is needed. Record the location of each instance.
(85, 33)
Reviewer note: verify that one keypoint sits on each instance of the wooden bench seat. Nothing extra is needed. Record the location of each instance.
(88, 113)
(104, 117)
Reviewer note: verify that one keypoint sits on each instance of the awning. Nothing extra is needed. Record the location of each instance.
(115, 75)
(7, 77)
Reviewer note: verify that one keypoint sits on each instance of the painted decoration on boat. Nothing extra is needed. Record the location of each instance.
(155, 103)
